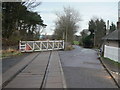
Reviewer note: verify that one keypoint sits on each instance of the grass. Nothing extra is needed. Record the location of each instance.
(9, 52)
(112, 61)
(76, 42)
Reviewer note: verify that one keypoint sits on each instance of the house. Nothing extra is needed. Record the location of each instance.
(112, 39)
(112, 45)
(86, 31)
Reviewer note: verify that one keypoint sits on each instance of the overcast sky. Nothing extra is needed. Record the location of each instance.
(102, 9)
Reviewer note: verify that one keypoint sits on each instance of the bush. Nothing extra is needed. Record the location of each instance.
(69, 47)
(76, 42)
(87, 42)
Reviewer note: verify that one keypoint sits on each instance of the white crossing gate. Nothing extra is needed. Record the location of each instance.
(30, 46)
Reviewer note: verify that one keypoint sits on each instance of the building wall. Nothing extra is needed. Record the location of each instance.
(118, 23)
(112, 43)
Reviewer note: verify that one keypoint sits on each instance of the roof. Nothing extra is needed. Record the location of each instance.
(86, 31)
(115, 35)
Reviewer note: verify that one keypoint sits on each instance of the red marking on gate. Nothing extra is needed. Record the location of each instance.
(28, 47)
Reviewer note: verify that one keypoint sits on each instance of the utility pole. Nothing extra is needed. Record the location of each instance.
(66, 39)
(94, 38)
(66, 34)
(67, 26)
(108, 28)
(63, 35)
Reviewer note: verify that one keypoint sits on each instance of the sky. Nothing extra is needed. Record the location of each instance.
(107, 10)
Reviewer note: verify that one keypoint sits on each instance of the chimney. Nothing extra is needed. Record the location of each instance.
(118, 23)
(108, 28)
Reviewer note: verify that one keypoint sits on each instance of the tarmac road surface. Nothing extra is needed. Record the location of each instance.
(82, 69)
(7, 63)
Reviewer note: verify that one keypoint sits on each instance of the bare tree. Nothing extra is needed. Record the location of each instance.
(31, 4)
(66, 24)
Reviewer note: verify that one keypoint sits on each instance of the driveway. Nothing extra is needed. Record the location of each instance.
(82, 69)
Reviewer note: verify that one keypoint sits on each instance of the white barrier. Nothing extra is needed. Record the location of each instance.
(112, 53)
(30, 46)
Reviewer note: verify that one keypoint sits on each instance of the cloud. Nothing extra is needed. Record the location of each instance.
(49, 19)
(104, 10)
(77, 0)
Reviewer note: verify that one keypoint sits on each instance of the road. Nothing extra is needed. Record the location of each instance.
(82, 69)
(7, 63)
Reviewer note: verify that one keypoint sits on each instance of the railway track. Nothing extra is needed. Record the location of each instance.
(36, 71)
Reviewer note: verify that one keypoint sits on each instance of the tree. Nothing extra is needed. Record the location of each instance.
(31, 4)
(87, 42)
(86, 38)
(92, 27)
(112, 27)
(66, 24)
(98, 30)
(19, 22)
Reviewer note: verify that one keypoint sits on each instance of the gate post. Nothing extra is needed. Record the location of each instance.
(20, 45)
(47, 44)
(63, 44)
(53, 44)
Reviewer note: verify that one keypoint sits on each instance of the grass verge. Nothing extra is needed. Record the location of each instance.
(112, 61)
(9, 53)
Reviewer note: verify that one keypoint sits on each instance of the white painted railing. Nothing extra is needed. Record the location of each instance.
(112, 53)
(30, 46)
